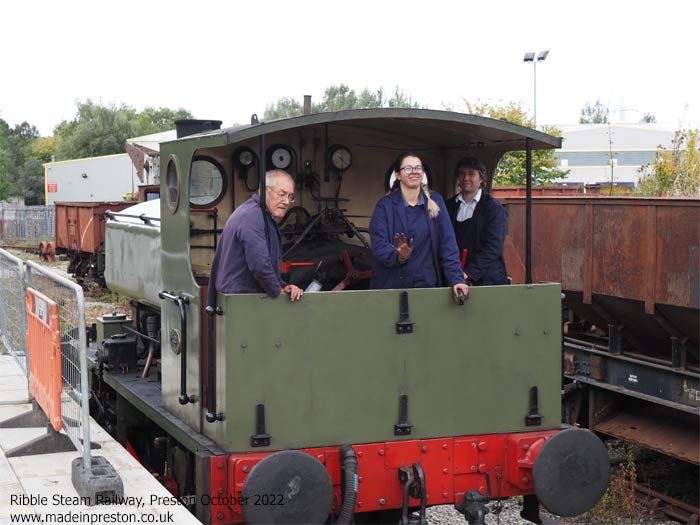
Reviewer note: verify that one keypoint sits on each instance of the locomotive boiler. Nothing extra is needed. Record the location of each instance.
(352, 404)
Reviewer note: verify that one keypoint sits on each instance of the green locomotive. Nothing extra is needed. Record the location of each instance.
(371, 404)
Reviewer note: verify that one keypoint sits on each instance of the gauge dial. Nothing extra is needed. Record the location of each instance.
(244, 158)
(280, 157)
(340, 158)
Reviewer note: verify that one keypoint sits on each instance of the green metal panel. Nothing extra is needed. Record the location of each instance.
(330, 369)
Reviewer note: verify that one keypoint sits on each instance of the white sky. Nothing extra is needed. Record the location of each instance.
(228, 59)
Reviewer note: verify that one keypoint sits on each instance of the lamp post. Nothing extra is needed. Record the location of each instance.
(530, 57)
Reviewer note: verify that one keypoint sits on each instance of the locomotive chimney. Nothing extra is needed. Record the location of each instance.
(307, 104)
(186, 127)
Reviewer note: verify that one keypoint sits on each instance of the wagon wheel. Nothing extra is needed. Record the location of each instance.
(46, 251)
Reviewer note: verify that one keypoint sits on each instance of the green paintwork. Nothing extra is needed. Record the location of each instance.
(330, 369)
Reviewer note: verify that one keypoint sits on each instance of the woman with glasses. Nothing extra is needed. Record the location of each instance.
(412, 239)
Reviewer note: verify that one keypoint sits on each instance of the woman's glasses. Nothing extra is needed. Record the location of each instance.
(411, 169)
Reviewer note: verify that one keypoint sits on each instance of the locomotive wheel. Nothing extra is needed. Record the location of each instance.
(571, 472)
(287, 487)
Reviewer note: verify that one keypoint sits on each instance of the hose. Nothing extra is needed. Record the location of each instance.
(349, 463)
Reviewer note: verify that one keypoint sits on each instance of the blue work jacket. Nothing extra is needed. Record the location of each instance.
(388, 219)
(248, 259)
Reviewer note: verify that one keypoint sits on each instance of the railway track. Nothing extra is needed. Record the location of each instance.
(671, 507)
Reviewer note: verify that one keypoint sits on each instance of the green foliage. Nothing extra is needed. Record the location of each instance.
(98, 130)
(675, 172)
(596, 114)
(152, 120)
(285, 107)
(511, 169)
(619, 505)
(648, 118)
(18, 168)
(338, 98)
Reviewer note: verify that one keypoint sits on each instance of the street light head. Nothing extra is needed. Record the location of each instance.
(529, 57)
(542, 55)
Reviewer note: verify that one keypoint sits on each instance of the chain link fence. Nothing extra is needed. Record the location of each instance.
(69, 297)
(27, 222)
(13, 316)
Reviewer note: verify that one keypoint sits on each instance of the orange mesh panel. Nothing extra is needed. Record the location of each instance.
(44, 347)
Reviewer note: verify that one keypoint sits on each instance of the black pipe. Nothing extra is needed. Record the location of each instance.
(181, 302)
(528, 211)
(212, 416)
(349, 462)
(262, 182)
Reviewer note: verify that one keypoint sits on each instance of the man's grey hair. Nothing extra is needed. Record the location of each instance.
(272, 176)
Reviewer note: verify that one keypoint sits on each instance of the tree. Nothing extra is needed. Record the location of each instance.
(596, 114)
(103, 130)
(511, 169)
(154, 120)
(675, 172)
(17, 171)
(338, 98)
(648, 118)
(285, 107)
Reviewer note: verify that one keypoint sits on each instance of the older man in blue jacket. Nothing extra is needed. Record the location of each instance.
(248, 256)
(480, 223)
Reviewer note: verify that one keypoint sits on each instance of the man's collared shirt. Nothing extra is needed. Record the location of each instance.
(466, 210)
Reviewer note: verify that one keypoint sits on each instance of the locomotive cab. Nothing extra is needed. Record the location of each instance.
(440, 402)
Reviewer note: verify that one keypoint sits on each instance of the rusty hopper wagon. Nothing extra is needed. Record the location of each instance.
(629, 269)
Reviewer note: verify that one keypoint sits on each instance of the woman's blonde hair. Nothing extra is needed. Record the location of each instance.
(433, 208)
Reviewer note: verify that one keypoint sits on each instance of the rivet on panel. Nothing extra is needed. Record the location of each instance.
(482, 490)
(526, 479)
(382, 501)
(220, 464)
(445, 471)
(360, 504)
(483, 445)
(473, 468)
(321, 458)
(360, 453)
(244, 345)
(278, 343)
(424, 448)
(359, 479)
(381, 451)
(445, 495)
(473, 444)
(444, 446)
(517, 332)
(221, 490)
(525, 446)
(545, 331)
(220, 515)
(482, 468)
(246, 468)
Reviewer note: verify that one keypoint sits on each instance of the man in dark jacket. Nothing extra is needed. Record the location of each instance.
(480, 223)
(248, 255)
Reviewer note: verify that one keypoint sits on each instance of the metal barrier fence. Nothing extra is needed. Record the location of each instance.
(27, 222)
(13, 318)
(70, 302)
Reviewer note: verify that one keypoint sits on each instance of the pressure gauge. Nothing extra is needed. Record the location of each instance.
(243, 159)
(339, 158)
(246, 157)
(280, 156)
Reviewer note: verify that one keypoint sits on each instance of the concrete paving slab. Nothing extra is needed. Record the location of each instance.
(13, 437)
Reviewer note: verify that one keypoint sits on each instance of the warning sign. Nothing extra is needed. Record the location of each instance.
(52, 187)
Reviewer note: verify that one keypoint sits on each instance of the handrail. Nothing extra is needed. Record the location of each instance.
(181, 301)
(145, 218)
